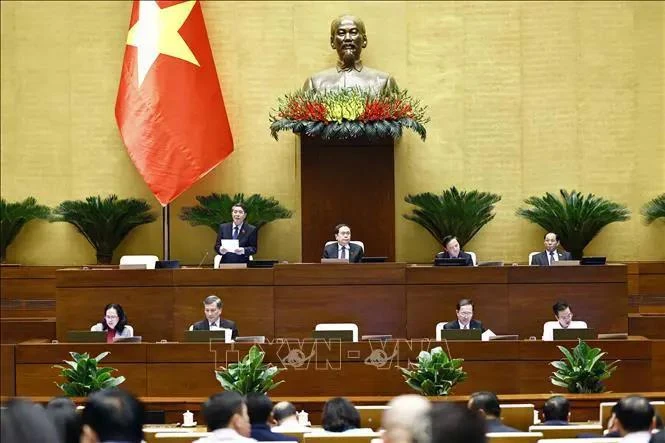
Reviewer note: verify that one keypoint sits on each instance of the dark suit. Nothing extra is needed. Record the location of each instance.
(204, 325)
(468, 259)
(495, 425)
(473, 324)
(262, 432)
(247, 238)
(355, 252)
(542, 260)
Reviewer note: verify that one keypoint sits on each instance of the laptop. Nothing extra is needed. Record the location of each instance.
(333, 335)
(261, 263)
(450, 261)
(593, 260)
(334, 260)
(566, 263)
(132, 266)
(461, 334)
(86, 336)
(373, 259)
(167, 264)
(574, 334)
(134, 339)
(205, 336)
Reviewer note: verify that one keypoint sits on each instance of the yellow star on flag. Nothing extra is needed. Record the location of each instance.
(156, 32)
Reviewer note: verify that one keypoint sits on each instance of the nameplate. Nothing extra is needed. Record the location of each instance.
(233, 266)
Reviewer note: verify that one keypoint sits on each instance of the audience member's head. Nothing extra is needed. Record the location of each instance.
(112, 415)
(23, 421)
(227, 410)
(556, 408)
(114, 317)
(63, 414)
(486, 403)
(406, 420)
(283, 412)
(452, 423)
(259, 408)
(634, 414)
(339, 415)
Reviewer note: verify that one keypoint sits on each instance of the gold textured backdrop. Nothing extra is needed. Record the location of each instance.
(524, 98)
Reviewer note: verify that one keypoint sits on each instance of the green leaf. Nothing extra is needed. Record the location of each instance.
(250, 374)
(83, 376)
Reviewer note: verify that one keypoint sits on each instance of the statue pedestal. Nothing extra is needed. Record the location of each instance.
(351, 182)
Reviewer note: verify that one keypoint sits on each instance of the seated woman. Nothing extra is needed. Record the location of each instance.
(453, 250)
(340, 415)
(114, 323)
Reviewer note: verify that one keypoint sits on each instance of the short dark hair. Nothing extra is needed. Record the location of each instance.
(282, 410)
(487, 401)
(213, 299)
(464, 302)
(220, 408)
(635, 413)
(556, 408)
(447, 239)
(122, 318)
(559, 306)
(339, 415)
(63, 414)
(259, 407)
(556, 236)
(340, 226)
(239, 205)
(23, 420)
(453, 423)
(114, 415)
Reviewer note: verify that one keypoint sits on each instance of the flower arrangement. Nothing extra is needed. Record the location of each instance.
(349, 113)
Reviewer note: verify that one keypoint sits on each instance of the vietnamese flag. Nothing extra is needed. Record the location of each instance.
(170, 109)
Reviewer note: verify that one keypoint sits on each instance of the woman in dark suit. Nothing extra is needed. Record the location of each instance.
(453, 250)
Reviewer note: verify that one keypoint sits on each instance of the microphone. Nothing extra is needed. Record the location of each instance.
(203, 259)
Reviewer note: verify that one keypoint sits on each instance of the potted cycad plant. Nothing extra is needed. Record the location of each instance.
(250, 374)
(458, 213)
(215, 208)
(582, 369)
(654, 209)
(575, 218)
(104, 222)
(13, 216)
(83, 375)
(435, 373)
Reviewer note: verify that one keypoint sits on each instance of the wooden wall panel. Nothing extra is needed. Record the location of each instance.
(7, 370)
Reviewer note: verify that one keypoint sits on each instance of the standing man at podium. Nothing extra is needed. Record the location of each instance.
(245, 233)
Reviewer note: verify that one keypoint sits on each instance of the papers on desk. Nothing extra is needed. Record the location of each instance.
(487, 334)
(230, 245)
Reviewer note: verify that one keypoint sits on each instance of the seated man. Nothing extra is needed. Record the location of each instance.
(564, 318)
(453, 250)
(556, 411)
(214, 321)
(112, 415)
(453, 423)
(343, 248)
(245, 233)
(259, 407)
(406, 420)
(285, 415)
(465, 319)
(227, 418)
(635, 417)
(487, 404)
(550, 254)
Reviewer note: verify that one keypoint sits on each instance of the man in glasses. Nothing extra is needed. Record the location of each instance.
(564, 320)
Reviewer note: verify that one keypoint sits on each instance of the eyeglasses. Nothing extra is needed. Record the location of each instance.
(112, 317)
(466, 314)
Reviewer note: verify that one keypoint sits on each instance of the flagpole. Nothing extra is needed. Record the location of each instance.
(166, 232)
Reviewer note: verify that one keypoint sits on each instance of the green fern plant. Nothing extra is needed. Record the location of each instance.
(215, 208)
(575, 218)
(654, 209)
(582, 369)
(83, 375)
(454, 212)
(104, 222)
(250, 374)
(435, 373)
(13, 216)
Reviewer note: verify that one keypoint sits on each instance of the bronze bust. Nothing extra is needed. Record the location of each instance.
(348, 38)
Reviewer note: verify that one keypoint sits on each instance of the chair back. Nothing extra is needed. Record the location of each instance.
(473, 257)
(513, 437)
(147, 260)
(531, 254)
(340, 438)
(518, 416)
(355, 242)
(339, 327)
(567, 431)
(439, 328)
(370, 416)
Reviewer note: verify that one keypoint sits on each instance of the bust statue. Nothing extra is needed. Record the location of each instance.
(348, 38)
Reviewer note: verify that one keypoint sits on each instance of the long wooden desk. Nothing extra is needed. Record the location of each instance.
(320, 369)
(386, 298)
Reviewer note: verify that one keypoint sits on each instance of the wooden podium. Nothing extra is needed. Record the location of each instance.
(351, 182)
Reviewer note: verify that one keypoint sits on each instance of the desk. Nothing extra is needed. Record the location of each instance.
(382, 298)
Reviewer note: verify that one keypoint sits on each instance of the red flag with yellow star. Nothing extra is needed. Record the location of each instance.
(169, 108)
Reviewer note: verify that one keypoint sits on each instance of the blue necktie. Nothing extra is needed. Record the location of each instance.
(235, 233)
